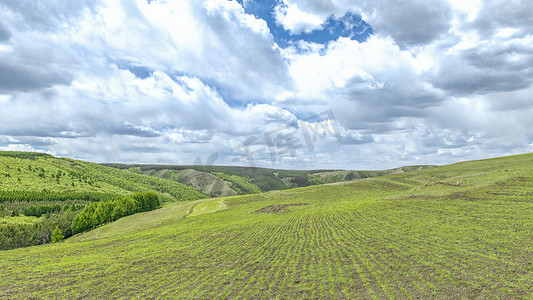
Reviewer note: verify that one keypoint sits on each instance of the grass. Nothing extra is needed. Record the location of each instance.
(461, 231)
(20, 171)
(209, 206)
(240, 184)
(20, 220)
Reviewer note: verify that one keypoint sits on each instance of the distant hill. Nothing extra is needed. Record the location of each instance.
(206, 183)
(218, 181)
(337, 176)
(235, 180)
(248, 180)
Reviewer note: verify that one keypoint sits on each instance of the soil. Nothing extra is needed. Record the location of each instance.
(277, 208)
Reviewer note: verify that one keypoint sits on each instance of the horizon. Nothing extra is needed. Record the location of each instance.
(288, 84)
(245, 166)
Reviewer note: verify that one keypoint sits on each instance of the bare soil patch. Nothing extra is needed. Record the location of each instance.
(277, 208)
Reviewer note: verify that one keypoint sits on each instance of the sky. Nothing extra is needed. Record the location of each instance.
(293, 84)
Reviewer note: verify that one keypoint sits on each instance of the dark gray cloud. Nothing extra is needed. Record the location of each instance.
(22, 78)
(463, 79)
(5, 34)
(403, 95)
(497, 14)
(414, 22)
(502, 58)
(481, 71)
(509, 57)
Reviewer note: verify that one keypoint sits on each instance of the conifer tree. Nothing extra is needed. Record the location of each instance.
(57, 235)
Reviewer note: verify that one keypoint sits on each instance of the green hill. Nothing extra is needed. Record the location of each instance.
(261, 179)
(206, 183)
(218, 181)
(344, 175)
(22, 171)
(458, 231)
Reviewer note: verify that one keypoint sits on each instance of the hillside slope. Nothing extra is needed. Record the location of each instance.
(347, 175)
(21, 171)
(457, 231)
(206, 183)
(263, 178)
(246, 180)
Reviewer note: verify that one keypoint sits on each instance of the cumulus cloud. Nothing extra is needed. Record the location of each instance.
(296, 21)
(495, 15)
(370, 82)
(413, 22)
(156, 115)
(215, 40)
(501, 63)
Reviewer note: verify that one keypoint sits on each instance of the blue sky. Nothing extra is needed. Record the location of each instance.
(349, 25)
(302, 84)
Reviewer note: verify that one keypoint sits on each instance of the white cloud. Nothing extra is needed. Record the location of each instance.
(214, 40)
(19, 147)
(296, 21)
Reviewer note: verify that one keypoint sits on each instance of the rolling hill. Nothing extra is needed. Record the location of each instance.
(217, 181)
(458, 231)
(35, 172)
(238, 180)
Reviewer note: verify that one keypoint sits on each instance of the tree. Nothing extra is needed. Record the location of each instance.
(80, 223)
(57, 235)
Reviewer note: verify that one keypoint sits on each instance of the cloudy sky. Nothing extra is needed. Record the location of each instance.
(367, 84)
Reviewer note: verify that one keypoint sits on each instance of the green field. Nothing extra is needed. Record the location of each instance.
(463, 231)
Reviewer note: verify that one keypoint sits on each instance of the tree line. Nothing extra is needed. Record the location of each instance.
(15, 235)
(39, 210)
(34, 196)
(24, 155)
(65, 221)
(98, 213)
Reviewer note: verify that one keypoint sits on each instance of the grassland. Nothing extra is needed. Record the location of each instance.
(462, 231)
